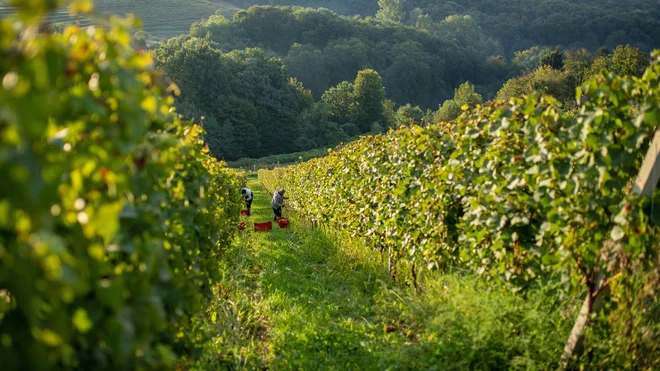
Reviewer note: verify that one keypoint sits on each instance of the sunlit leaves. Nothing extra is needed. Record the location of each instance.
(509, 190)
(106, 245)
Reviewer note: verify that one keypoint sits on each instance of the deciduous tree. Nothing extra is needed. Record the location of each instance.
(369, 93)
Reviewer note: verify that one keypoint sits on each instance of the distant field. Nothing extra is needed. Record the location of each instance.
(160, 18)
(273, 161)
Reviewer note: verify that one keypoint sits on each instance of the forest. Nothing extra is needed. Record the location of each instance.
(519, 25)
(323, 49)
(288, 79)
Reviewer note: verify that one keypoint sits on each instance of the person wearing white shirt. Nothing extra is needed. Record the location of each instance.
(247, 194)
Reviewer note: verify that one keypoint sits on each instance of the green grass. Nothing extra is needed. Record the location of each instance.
(307, 299)
(161, 18)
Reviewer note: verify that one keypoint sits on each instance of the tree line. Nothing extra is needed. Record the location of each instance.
(251, 107)
(279, 79)
(558, 73)
(521, 24)
(236, 76)
(322, 49)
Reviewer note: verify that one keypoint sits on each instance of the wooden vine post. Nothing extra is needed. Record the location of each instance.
(649, 174)
(647, 180)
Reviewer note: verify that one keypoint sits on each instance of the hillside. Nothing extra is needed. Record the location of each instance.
(237, 76)
(322, 49)
(249, 105)
(521, 24)
(160, 18)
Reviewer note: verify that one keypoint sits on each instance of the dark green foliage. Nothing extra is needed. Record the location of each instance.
(339, 101)
(361, 103)
(322, 49)
(553, 59)
(408, 115)
(466, 96)
(545, 80)
(351, 129)
(251, 107)
(530, 59)
(273, 161)
(390, 10)
(577, 64)
(518, 25)
(603, 51)
(369, 94)
(548, 80)
(219, 30)
(461, 30)
(345, 7)
(139, 40)
(602, 62)
(448, 111)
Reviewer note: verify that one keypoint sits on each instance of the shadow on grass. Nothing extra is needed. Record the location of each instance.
(301, 299)
(320, 299)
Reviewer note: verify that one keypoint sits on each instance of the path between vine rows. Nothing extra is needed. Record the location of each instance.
(301, 299)
(306, 304)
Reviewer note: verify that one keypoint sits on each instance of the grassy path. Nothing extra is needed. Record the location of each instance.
(298, 299)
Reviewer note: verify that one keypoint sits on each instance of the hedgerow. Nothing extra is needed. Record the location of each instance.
(113, 216)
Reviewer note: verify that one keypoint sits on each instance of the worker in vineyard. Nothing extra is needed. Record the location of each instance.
(247, 194)
(278, 203)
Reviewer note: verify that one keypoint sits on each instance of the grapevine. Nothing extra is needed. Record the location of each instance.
(518, 190)
(113, 216)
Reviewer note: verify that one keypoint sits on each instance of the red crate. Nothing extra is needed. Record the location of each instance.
(241, 226)
(244, 212)
(283, 223)
(263, 227)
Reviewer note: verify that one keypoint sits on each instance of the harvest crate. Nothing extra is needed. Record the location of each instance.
(241, 226)
(244, 212)
(263, 227)
(283, 223)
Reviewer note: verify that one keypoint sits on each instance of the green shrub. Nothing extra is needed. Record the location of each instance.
(113, 216)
